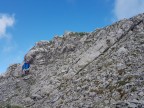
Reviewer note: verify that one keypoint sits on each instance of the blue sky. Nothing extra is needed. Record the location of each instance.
(24, 22)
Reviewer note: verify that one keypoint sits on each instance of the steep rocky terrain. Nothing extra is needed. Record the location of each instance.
(101, 69)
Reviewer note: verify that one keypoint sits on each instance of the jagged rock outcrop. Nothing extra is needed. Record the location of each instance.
(101, 69)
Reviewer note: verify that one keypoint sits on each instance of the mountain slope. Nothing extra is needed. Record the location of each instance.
(101, 69)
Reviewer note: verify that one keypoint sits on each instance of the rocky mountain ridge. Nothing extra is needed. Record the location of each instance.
(101, 69)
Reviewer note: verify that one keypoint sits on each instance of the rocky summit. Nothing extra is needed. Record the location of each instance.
(100, 69)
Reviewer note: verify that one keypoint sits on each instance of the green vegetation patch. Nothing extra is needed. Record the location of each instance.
(10, 106)
(122, 83)
(78, 33)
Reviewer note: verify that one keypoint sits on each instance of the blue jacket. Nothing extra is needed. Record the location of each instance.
(25, 66)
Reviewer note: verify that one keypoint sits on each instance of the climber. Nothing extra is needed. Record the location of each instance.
(25, 68)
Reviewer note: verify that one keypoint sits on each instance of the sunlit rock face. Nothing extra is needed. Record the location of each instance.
(100, 69)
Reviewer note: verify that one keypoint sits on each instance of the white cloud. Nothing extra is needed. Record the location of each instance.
(128, 8)
(7, 49)
(5, 22)
(9, 46)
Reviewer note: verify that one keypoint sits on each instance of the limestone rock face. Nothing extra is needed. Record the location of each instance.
(100, 69)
